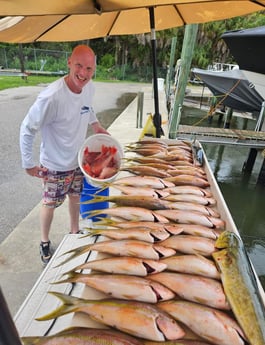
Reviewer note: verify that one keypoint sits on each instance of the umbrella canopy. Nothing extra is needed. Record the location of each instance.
(74, 20)
(60, 7)
(56, 20)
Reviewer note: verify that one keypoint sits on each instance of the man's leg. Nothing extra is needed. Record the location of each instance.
(74, 208)
(53, 196)
(46, 217)
(74, 200)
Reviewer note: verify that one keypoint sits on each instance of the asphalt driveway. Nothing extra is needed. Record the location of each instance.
(20, 193)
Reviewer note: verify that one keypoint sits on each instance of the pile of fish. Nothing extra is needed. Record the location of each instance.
(100, 164)
(171, 270)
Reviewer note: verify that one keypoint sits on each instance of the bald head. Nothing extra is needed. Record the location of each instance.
(82, 64)
(82, 50)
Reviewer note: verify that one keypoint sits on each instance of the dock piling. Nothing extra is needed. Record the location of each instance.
(140, 105)
(249, 163)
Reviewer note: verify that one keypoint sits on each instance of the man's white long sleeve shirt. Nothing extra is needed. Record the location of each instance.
(62, 117)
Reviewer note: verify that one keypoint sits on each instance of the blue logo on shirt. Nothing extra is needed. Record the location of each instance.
(84, 110)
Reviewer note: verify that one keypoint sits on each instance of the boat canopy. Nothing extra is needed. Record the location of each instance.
(231, 88)
(247, 47)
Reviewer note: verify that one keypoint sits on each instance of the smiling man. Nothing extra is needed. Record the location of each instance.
(62, 113)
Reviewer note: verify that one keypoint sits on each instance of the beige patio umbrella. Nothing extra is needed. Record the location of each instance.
(60, 20)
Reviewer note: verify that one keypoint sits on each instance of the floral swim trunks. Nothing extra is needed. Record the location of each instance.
(57, 184)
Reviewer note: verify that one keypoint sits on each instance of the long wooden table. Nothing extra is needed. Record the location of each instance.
(39, 302)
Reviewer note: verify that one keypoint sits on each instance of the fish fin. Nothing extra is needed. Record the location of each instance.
(74, 253)
(104, 186)
(95, 198)
(71, 278)
(75, 269)
(70, 304)
(30, 340)
(106, 222)
(90, 214)
(91, 232)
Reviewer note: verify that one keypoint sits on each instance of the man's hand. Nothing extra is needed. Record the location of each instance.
(97, 128)
(36, 171)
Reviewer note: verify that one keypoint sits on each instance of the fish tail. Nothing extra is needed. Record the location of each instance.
(74, 253)
(96, 198)
(93, 231)
(130, 145)
(30, 340)
(92, 213)
(75, 269)
(104, 186)
(106, 221)
(71, 278)
(126, 159)
(70, 304)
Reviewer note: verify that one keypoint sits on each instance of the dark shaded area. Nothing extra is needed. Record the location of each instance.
(247, 47)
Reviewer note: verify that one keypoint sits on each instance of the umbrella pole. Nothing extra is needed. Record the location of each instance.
(157, 116)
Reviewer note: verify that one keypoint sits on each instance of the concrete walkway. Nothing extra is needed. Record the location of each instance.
(20, 264)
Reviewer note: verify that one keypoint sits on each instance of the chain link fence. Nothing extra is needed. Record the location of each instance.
(55, 62)
(34, 59)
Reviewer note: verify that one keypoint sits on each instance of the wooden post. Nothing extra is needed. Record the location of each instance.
(245, 123)
(170, 68)
(22, 61)
(211, 111)
(261, 177)
(249, 163)
(228, 118)
(139, 115)
(186, 58)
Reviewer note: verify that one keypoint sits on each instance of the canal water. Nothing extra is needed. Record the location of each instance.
(244, 198)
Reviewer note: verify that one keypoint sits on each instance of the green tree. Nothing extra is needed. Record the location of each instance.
(130, 56)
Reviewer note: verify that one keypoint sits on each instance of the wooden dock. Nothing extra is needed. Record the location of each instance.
(223, 136)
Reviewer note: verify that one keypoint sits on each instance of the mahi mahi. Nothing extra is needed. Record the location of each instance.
(240, 286)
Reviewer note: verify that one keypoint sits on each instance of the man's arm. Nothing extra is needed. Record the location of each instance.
(97, 128)
(27, 136)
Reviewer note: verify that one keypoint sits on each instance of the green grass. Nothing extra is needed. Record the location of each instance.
(10, 82)
(33, 80)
